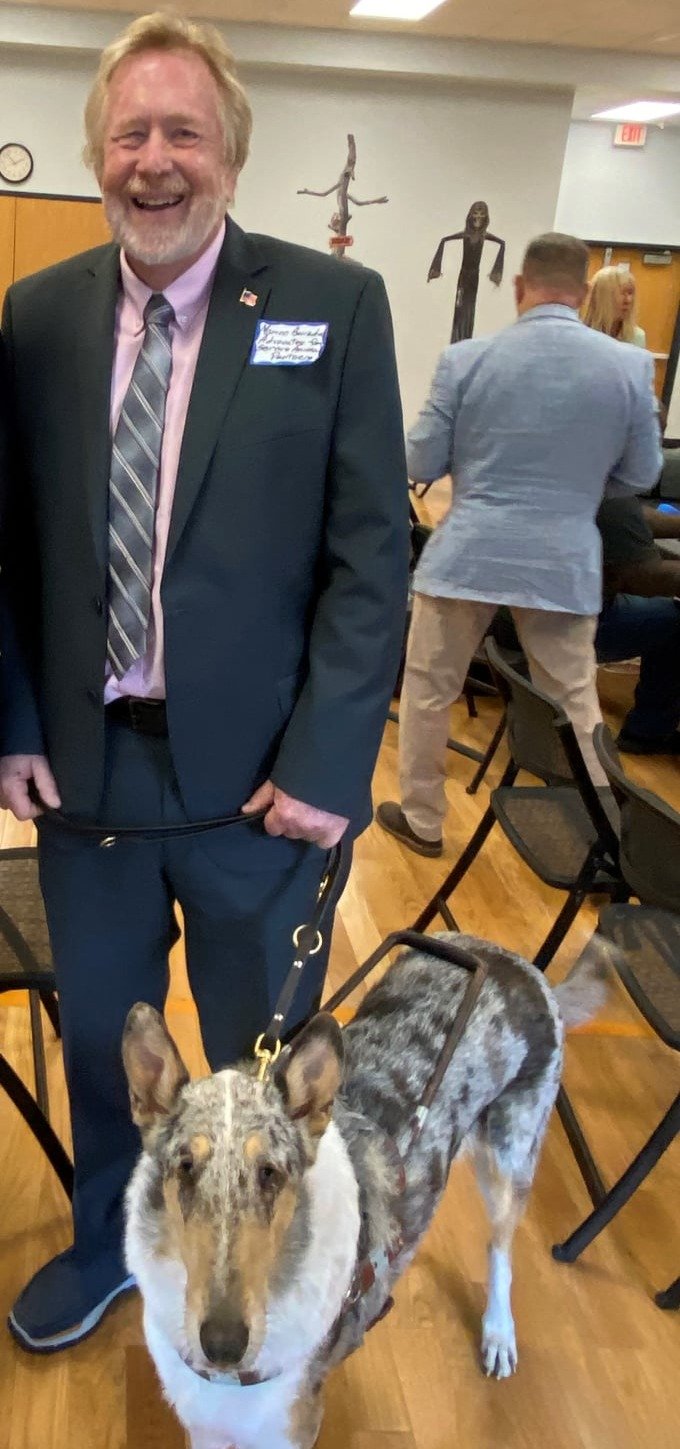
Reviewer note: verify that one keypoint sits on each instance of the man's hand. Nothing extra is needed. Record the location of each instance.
(16, 772)
(294, 819)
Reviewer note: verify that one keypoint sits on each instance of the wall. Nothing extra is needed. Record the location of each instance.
(42, 97)
(609, 193)
(432, 150)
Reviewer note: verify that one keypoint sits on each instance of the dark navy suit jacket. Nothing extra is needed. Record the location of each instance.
(284, 586)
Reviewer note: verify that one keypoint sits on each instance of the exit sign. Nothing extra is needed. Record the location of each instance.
(631, 133)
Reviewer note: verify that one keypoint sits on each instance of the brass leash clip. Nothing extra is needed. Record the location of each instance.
(264, 1056)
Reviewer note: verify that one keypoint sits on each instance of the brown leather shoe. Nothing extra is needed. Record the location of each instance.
(391, 816)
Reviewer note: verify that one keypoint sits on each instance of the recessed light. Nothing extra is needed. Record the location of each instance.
(640, 111)
(395, 9)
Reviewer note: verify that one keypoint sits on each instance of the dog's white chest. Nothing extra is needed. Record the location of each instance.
(222, 1416)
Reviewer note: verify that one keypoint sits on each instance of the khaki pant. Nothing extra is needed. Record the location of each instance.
(443, 637)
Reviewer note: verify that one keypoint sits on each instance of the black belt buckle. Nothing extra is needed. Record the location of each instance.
(148, 716)
(144, 716)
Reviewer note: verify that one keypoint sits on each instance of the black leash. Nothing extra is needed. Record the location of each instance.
(108, 835)
(307, 940)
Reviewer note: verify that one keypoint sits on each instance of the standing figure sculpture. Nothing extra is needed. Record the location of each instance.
(341, 218)
(473, 239)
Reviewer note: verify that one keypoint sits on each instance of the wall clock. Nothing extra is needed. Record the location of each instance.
(16, 162)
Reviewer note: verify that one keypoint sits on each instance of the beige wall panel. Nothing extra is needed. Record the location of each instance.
(48, 231)
(7, 211)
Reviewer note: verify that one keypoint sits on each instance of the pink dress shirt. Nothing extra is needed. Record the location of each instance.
(189, 296)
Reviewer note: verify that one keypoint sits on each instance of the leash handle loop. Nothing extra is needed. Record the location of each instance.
(107, 835)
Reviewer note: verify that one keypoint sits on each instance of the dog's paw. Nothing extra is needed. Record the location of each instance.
(499, 1352)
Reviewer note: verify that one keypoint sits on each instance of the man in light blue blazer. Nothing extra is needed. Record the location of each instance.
(532, 423)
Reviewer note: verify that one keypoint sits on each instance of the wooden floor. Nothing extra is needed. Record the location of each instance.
(597, 1358)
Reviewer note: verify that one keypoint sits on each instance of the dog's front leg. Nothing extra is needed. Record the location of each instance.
(505, 1199)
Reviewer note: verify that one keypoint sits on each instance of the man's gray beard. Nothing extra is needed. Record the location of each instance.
(175, 247)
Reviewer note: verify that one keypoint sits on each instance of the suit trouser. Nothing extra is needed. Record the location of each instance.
(112, 922)
(443, 637)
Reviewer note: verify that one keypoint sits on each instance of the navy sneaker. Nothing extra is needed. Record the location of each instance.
(649, 744)
(66, 1300)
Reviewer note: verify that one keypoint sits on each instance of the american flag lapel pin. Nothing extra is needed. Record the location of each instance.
(249, 299)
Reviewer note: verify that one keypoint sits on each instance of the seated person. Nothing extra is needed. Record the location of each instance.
(640, 616)
(668, 486)
(669, 482)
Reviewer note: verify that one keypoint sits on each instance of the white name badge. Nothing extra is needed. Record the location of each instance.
(288, 344)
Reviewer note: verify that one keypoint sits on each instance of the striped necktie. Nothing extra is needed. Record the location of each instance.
(133, 487)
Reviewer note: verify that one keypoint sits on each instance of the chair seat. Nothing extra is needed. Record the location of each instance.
(649, 965)
(25, 955)
(550, 828)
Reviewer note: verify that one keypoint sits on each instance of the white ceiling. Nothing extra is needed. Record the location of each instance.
(642, 26)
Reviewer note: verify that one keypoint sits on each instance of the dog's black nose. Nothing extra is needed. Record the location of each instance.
(224, 1339)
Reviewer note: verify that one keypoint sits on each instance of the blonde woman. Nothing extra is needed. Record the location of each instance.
(611, 306)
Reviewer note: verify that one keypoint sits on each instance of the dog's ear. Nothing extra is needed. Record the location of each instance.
(310, 1072)
(153, 1065)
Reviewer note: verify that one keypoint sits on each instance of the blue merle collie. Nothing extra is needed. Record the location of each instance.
(268, 1221)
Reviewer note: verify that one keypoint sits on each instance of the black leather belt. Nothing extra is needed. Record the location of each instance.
(147, 716)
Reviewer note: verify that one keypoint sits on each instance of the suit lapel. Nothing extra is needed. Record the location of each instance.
(225, 347)
(95, 320)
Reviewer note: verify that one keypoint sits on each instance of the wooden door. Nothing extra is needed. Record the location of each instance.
(658, 295)
(7, 216)
(49, 230)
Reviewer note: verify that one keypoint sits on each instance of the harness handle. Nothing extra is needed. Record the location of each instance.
(418, 941)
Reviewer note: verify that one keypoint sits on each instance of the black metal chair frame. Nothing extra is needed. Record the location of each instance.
(488, 756)
(608, 1202)
(39, 982)
(599, 871)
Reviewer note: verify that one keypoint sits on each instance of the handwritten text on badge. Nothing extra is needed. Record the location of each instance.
(288, 344)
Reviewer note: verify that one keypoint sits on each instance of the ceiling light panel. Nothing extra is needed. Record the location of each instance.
(640, 111)
(395, 9)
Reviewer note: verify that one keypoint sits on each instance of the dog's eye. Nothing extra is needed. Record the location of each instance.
(268, 1176)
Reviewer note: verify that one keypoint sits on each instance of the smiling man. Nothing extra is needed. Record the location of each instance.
(165, 177)
(208, 573)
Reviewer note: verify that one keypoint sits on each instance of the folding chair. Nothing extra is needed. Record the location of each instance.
(565, 829)
(25, 964)
(646, 938)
